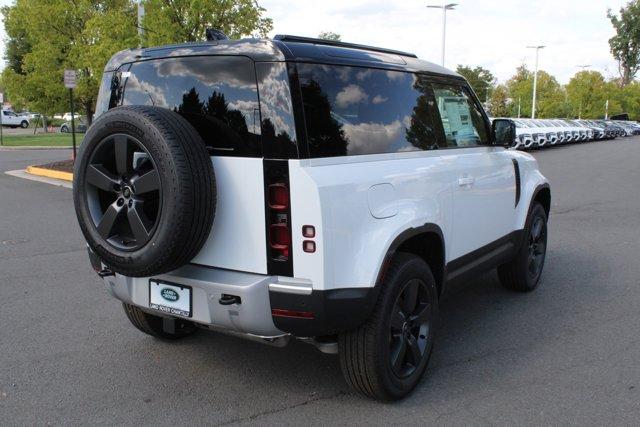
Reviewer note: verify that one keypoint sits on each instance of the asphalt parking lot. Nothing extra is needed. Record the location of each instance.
(568, 353)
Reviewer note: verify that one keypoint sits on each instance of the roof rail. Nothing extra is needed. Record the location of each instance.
(299, 39)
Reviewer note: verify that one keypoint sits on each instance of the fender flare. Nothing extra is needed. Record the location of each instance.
(402, 238)
(538, 189)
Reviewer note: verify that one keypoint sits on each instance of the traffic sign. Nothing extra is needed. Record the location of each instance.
(70, 79)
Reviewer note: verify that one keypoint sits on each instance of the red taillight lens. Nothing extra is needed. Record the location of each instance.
(278, 197)
(279, 240)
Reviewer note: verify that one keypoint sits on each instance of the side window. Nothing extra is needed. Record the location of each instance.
(218, 95)
(462, 120)
(354, 111)
(278, 124)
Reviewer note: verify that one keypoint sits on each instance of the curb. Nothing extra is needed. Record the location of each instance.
(49, 173)
(20, 173)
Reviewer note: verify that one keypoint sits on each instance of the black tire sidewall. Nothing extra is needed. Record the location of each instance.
(523, 257)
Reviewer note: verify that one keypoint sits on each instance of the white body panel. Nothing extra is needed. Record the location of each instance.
(237, 240)
(335, 195)
(484, 198)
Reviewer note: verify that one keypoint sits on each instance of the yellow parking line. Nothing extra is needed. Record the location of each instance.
(50, 173)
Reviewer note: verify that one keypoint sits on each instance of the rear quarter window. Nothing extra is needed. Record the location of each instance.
(355, 111)
(218, 95)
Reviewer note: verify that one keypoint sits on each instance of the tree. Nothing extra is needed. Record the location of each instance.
(45, 37)
(328, 35)
(586, 93)
(625, 45)
(480, 79)
(180, 21)
(499, 102)
(550, 100)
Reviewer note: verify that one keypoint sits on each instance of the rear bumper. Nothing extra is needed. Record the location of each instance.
(251, 315)
(265, 307)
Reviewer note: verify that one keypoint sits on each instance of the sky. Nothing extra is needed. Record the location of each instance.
(490, 33)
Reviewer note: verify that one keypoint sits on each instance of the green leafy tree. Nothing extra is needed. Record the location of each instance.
(586, 93)
(520, 89)
(625, 45)
(499, 102)
(622, 99)
(180, 21)
(328, 35)
(480, 79)
(550, 100)
(45, 37)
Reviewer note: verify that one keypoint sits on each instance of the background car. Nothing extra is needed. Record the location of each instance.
(80, 125)
(11, 119)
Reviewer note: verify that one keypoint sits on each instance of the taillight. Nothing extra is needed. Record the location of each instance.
(278, 197)
(279, 241)
(279, 221)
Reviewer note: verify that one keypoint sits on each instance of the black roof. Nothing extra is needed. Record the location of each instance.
(289, 48)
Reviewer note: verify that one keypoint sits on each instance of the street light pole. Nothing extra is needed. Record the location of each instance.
(444, 7)
(140, 19)
(535, 81)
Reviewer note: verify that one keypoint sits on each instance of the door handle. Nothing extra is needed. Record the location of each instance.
(466, 180)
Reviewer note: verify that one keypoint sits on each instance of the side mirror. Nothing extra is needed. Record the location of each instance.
(504, 132)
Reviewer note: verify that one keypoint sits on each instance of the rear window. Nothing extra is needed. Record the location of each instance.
(216, 94)
(355, 111)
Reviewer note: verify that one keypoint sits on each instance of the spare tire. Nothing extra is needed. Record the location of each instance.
(144, 190)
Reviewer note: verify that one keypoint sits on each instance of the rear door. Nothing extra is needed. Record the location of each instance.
(483, 176)
(218, 95)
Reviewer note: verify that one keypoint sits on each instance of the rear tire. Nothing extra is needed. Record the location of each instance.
(159, 327)
(24, 124)
(522, 274)
(401, 329)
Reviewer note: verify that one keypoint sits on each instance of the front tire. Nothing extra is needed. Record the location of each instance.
(522, 274)
(386, 356)
(159, 327)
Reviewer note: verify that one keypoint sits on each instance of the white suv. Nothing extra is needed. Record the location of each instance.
(303, 188)
(11, 119)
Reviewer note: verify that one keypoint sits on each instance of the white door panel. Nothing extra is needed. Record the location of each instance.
(484, 198)
(237, 240)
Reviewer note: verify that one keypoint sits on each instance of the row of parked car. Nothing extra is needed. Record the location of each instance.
(538, 133)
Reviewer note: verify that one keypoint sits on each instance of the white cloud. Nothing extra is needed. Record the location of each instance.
(372, 137)
(379, 99)
(352, 94)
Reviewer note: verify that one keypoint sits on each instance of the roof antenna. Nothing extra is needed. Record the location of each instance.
(213, 35)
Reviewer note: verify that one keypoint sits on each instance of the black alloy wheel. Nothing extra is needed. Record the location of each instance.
(409, 328)
(123, 192)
